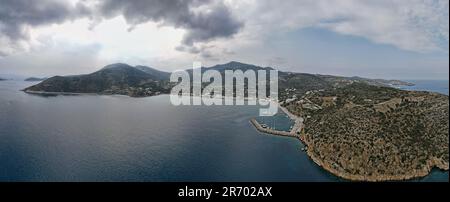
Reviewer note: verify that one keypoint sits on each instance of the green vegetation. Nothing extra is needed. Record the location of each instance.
(376, 133)
(119, 79)
(34, 79)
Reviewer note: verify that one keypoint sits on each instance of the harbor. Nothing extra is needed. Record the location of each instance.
(294, 130)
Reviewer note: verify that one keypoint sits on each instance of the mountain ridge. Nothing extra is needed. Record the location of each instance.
(118, 78)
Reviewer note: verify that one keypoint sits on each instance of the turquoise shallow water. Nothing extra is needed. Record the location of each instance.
(117, 138)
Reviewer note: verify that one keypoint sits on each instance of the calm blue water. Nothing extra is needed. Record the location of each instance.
(439, 86)
(279, 121)
(117, 138)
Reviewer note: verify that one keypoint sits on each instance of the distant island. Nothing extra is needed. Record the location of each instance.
(356, 128)
(34, 79)
(1, 79)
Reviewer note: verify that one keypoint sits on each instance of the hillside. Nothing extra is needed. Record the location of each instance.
(112, 79)
(146, 81)
(160, 75)
(365, 132)
(34, 79)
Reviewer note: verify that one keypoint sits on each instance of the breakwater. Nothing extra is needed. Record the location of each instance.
(260, 128)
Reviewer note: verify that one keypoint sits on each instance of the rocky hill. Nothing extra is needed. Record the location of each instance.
(372, 133)
(118, 78)
(34, 79)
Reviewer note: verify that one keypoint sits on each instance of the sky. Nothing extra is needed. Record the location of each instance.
(392, 39)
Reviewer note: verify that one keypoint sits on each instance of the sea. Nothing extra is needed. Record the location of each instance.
(438, 86)
(118, 138)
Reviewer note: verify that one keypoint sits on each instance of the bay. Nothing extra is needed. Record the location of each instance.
(118, 138)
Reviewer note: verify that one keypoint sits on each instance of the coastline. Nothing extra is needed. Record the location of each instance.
(57, 93)
(298, 121)
(258, 127)
(296, 132)
(431, 163)
(45, 93)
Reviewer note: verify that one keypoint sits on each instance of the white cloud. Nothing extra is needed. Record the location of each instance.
(414, 25)
(147, 41)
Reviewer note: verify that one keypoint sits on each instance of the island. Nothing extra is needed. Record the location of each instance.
(356, 128)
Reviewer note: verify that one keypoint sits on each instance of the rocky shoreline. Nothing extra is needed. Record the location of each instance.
(296, 132)
(45, 93)
(431, 163)
(56, 93)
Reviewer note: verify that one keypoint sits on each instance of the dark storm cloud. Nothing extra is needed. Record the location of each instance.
(216, 22)
(17, 15)
(203, 20)
(208, 52)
